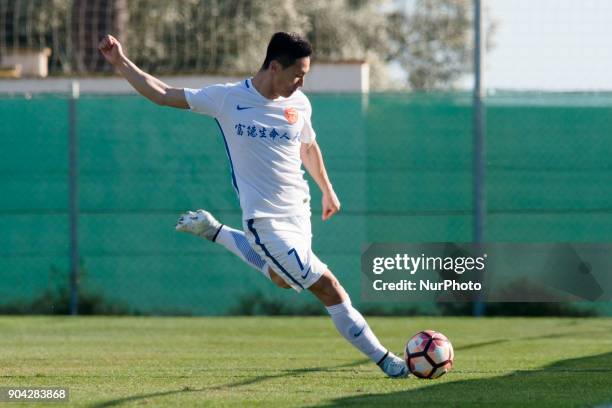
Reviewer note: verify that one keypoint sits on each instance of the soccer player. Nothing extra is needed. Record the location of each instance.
(267, 131)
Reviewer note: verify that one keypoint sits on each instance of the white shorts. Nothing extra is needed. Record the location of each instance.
(285, 244)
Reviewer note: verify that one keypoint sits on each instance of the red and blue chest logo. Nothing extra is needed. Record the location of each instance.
(291, 114)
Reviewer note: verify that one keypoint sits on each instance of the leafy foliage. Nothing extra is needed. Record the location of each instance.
(429, 39)
(432, 42)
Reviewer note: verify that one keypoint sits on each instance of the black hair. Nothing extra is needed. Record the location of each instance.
(286, 48)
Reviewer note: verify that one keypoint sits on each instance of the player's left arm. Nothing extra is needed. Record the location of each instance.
(312, 159)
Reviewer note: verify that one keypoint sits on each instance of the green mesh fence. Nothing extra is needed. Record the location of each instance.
(401, 165)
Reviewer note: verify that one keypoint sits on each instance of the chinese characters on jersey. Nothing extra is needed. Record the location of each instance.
(261, 132)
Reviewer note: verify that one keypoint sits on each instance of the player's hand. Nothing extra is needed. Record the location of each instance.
(331, 204)
(111, 48)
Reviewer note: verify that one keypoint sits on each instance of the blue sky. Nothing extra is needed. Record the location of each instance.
(551, 44)
(546, 44)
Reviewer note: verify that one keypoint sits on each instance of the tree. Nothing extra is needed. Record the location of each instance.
(341, 30)
(430, 39)
(433, 42)
(213, 36)
(89, 22)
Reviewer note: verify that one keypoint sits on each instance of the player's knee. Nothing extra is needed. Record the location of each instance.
(331, 286)
(329, 290)
(335, 285)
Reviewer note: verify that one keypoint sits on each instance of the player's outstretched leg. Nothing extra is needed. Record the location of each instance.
(352, 325)
(202, 224)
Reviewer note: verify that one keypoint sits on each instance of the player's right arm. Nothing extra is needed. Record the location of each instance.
(147, 85)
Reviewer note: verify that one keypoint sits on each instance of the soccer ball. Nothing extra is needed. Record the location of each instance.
(429, 354)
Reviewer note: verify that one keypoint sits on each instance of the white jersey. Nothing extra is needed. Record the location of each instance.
(262, 139)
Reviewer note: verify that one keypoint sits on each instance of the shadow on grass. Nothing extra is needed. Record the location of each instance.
(185, 390)
(585, 381)
(593, 333)
(458, 393)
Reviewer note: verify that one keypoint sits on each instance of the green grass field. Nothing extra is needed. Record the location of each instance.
(302, 361)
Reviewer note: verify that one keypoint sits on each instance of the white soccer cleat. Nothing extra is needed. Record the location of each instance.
(394, 366)
(200, 223)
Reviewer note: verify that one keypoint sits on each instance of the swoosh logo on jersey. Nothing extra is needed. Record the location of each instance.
(244, 107)
(306, 274)
(360, 331)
